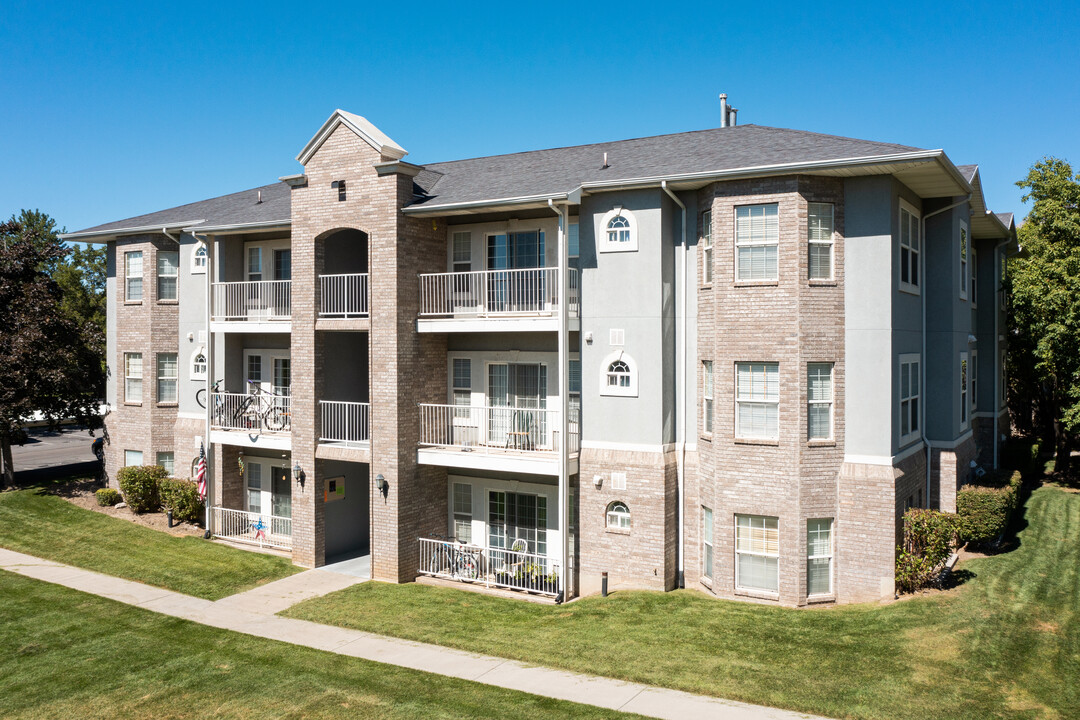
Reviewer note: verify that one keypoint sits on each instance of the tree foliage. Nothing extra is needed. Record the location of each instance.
(1045, 290)
(51, 350)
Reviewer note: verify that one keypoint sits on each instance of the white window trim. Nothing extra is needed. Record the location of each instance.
(175, 275)
(157, 461)
(973, 382)
(621, 518)
(175, 379)
(456, 515)
(1004, 389)
(604, 245)
(196, 267)
(829, 402)
(902, 360)
(266, 261)
(738, 400)
(832, 552)
(708, 397)
(755, 243)
(453, 261)
(830, 243)
(771, 593)
(128, 276)
(710, 523)
(963, 243)
(916, 217)
(964, 383)
(128, 378)
(618, 390)
(200, 376)
(974, 282)
(268, 358)
(706, 249)
(129, 452)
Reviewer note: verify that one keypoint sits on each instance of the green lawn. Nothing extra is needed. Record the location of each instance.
(66, 654)
(1006, 643)
(34, 522)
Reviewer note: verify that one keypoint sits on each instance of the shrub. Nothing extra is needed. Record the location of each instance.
(140, 487)
(929, 536)
(182, 497)
(983, 512)
(107, 497)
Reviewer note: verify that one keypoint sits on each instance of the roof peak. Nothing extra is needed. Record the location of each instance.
(363, 128)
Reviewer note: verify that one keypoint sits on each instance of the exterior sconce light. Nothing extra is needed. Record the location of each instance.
(298, 474)
(381, 484)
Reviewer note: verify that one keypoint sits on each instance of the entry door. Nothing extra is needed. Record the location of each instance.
(517, 516)
(283, 264)
(519, 288)
(281, 492)
(515, 392)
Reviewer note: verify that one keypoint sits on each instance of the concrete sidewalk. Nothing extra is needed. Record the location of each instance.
(250, 613)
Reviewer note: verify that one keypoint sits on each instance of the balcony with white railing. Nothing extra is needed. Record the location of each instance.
(345, 424)
(257, 306)
(252, 528)
(344, 297)
(252, 420)
(495, 300)
(495, 438)
(511, 568)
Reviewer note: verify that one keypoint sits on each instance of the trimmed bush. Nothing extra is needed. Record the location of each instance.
(140, 487)
(929, 537)
(182, 497)
(983, 512)
(107, 497)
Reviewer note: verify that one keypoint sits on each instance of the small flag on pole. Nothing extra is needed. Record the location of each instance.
(200, 472)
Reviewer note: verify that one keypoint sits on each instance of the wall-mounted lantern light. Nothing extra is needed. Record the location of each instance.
(298, 474)
(381, 484)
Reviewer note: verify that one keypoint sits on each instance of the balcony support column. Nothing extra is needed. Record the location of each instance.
(563, 447)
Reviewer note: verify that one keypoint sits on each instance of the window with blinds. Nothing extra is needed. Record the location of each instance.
(757, 400)
(757, 553)
(819, 552)
(819, 399)
(757, 236)
(820, 240)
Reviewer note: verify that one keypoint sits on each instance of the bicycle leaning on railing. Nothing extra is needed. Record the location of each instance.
(258, 409)
(453, 557)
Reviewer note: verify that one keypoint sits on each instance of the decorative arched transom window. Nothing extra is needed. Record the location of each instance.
(618, 231)
(619, 375)
(198, 259)
(618, 516)
(198, 364)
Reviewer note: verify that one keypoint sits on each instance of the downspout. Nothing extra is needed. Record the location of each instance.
(175, 239)
(998, 371)
(680, 383)
(211, 268)
(922, 362)
(564, 398)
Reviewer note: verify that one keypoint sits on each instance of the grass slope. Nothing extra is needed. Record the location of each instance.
(1004, 644)
(67, 654)
(36, 523)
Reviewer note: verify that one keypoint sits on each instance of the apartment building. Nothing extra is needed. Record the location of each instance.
(727, 359)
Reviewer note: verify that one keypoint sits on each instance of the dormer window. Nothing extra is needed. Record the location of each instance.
(340, 186)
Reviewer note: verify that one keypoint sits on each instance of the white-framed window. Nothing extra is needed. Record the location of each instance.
(254, 264)
(573, 246)
(168, 270)
(132, 457)
(819, 401)
(706, 247)
(198, 364)
(964, 408)
(973, 373)
(575, 390)
(706, 543)
(462, 385)
(757, 400)
(618, 375)
(757, 239)
(819, 554)
(909, 397)
(165, 460)
(199, 259)
(965, 269)
(463, 512)
(707, 395)
(618, 480)
(1004, 380)
(820, 224)
(618, 516)
(618, 231)
(1002, 295)
(757, 553)
(133, 373)
(910, 247)
(253, 471)
(462, 251)
(974, 278)
(133, 276)
(166, 377)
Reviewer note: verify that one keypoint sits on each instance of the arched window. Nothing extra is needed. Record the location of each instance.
(618, 516)
(198, 364)
(618, 375)
(618, 231)
(198, 259)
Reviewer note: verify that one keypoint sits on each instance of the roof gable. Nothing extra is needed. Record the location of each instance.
(363, 128)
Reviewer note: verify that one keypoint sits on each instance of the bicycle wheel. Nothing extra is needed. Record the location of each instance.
(200, 397)
(276, 418)
(467, 566)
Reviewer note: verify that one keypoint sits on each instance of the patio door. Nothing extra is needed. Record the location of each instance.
(517, 516)
(520, 291)
(268, 491)
(516, 393)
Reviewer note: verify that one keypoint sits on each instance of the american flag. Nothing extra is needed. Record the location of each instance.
(200, 472)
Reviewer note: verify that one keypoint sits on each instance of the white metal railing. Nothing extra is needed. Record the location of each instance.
(486, 293)
(494, 429)
(253, 528)
(345, 422)
(490, 566)
(253, 301)
(343, 296)
(260, 412)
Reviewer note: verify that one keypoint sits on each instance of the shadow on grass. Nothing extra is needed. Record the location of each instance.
(957, 578)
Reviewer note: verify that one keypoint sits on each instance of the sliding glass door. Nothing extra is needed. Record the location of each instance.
(518, 284)
(516, 393)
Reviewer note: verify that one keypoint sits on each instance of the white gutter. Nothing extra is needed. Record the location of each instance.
(240, 227)
(211, 268)
(680, 382)
(564, 401)
(134, 230)
(922, 363)
(165, 232)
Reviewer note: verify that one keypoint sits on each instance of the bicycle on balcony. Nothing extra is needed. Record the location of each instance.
(454, 558)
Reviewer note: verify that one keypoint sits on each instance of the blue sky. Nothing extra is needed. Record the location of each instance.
(113, 112)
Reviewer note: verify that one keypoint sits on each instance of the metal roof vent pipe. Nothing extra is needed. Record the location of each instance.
(732, 122)
(259, 199)
(723, 110)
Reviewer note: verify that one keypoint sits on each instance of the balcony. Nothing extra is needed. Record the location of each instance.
(345, 431)
(522, 440)
(495, 301)
(344, 302)
(251, 420)
(251, 528)
(512, 568)
(256, 306)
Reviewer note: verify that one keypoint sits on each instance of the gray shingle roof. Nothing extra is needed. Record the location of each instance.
(544, 172)
(968, 171)
(1006, 218)
(236, 208)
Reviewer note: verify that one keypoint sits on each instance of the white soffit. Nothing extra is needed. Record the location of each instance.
(370, 134)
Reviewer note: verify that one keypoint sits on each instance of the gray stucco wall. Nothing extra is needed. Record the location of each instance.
(345, 366)
(191, 291)
(348, 519)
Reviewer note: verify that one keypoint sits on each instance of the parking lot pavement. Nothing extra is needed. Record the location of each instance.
(53, 453)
